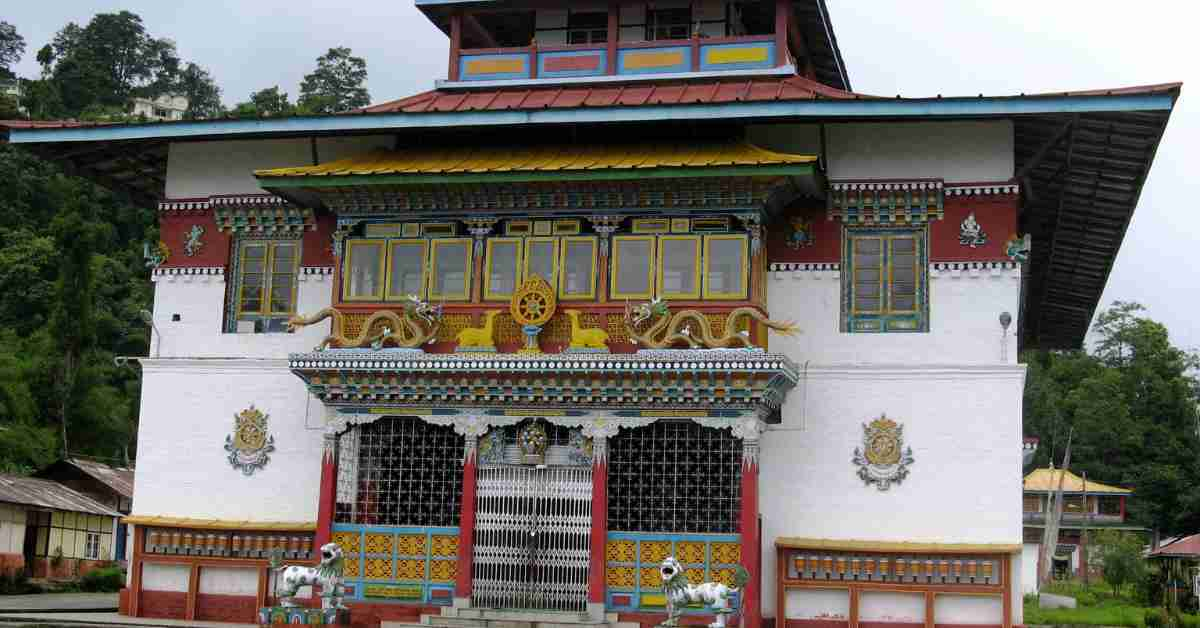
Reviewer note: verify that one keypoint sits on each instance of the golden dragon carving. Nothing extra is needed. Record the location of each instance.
(663, 330)
(418, 325)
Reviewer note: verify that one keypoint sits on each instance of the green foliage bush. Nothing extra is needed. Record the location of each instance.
(1086, 598)
(102, 580)
(1155, 618)
(15, 582)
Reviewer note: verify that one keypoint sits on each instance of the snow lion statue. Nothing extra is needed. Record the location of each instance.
(680, 593)
(328, 574)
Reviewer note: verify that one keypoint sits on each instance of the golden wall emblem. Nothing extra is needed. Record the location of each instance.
(883, 459)
(250, 444)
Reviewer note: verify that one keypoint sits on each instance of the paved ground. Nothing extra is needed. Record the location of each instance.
(98, 620)
(58, 602)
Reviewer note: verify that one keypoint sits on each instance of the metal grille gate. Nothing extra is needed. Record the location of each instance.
(532, 536)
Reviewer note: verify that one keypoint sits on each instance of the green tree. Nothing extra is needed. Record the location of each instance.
(109, 61)
(336, 85)
(265, 103)
(1132, 403)
(12, 47)
(204, 97)
(1120, 557)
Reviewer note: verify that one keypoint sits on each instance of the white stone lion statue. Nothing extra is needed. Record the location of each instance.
(680, 592)
(328, 574)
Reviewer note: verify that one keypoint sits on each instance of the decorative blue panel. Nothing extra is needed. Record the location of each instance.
(415, 565)
(573, 63)
(654, 60)
(491, 67)
(757, 55)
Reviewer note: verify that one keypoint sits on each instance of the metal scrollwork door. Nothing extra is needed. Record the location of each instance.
(532, 534)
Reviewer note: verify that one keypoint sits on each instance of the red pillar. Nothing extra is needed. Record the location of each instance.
(751, 544)
(466, 527)
(596, 584)
(328, 492)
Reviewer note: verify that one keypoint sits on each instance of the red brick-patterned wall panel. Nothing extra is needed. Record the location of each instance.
(173, 228)
(826, 236)
(123, 602)
(996, 214)
(227, 608)
(318, 243)
(164, 604)
(11, 562)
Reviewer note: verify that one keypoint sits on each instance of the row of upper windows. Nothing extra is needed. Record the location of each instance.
(711, 266)
(884, 278)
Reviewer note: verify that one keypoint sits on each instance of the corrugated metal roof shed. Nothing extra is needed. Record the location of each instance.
(15, 489)
(119, 479)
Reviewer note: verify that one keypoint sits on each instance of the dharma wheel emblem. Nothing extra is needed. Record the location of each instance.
(883, 459)
(249, 445)
(532, 306)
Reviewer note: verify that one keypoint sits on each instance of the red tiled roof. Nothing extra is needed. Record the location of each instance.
(1186, 546)
(670, 93)
(46, 124)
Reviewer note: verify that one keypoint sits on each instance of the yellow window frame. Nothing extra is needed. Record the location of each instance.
(392, 245)
(696, 246)
(348, 266)
(529, 242)
(565, 242)
(488, 295)
(438, 243)
(616, 267)
(268, 273)
(745, 263)
(883, 286)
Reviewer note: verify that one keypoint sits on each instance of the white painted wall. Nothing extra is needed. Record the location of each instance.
(963, 423)
(199, 300)
(229, 581)
(158, 577)
(203, 169)
(1029, 562)
(816, 603)
(889, 606)
(12, 529)
(962, 609)
(964, 310)
(188, 408)
(953, 151)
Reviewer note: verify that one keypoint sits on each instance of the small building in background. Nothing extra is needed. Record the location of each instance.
(1104, 508)
(111, 486)
(1178, 562)
(165, 108)
(52, 531)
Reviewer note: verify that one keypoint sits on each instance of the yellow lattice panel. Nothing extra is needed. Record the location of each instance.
(616, 328)
(690, 552)
(350, 568)
(410, 569)
(445, 546)
(695, 575)
(724, 575)
(410, 545)
(352, 324)
(452, 324)
(622, 551)
(507, 330)
(379, 544)
(348, 541)
(443, 570)
(726, 553)
(378, 569)
(620, 577)
(653, 552)
(650, 578)
(558, 330)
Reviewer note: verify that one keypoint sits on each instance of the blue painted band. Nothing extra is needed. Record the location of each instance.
(798, 110)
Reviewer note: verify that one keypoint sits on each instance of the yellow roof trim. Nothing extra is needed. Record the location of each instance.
(546, 158)
(1046, 481)
(219, 524)
(895, 547)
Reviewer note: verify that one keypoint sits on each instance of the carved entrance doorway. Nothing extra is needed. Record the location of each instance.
(532, 534)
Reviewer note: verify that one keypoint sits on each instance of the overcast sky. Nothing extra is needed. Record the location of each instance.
(913, 48)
